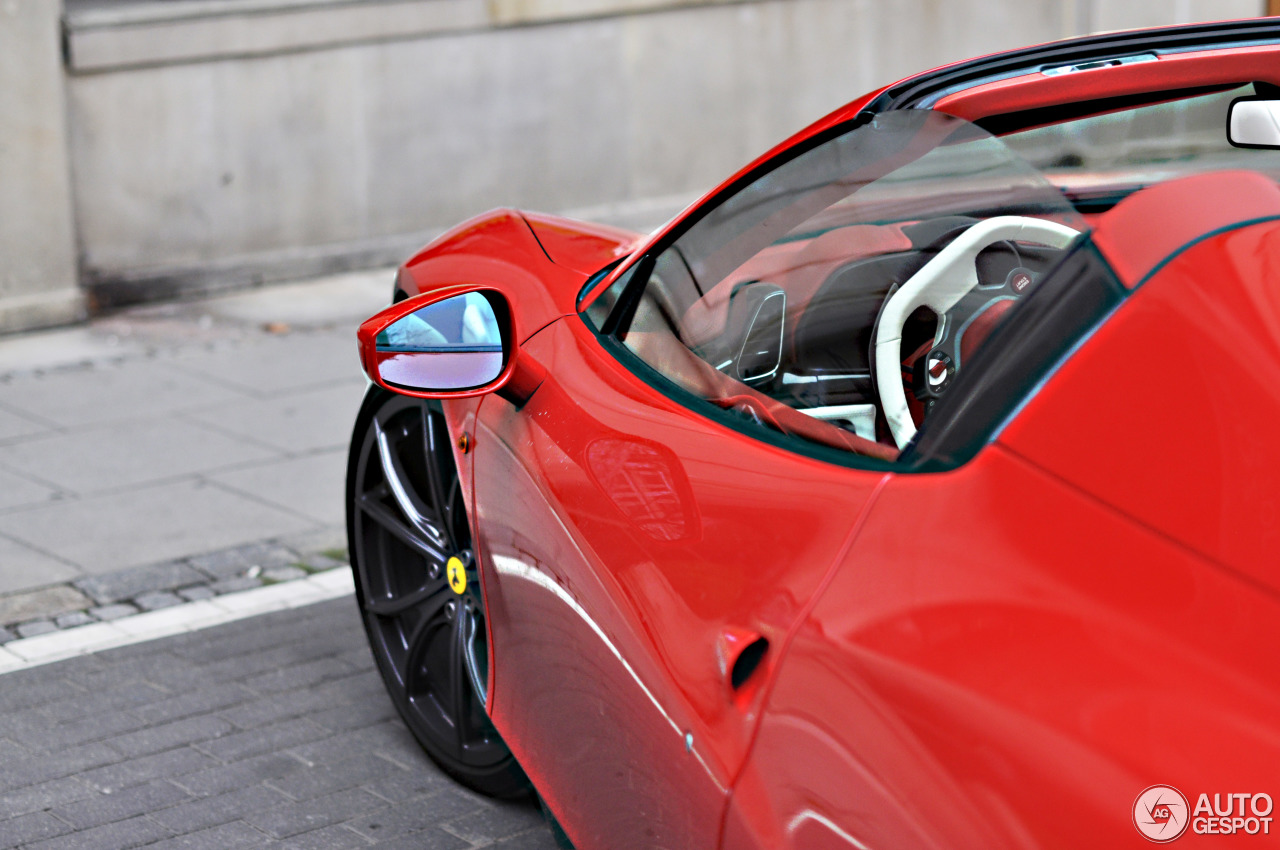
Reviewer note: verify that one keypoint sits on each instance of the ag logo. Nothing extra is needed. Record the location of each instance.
(1160, 813)
(457, 574)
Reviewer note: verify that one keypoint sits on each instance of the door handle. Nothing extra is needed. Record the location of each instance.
(741, 652)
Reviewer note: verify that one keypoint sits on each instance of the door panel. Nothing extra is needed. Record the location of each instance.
(628, 549)
(1003, 661)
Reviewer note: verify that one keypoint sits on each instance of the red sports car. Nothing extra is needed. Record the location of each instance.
(917, 487)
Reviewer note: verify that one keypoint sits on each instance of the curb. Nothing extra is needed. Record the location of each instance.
(124, 593)
(30, 652)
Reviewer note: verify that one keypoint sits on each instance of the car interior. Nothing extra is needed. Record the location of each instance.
(777, 308)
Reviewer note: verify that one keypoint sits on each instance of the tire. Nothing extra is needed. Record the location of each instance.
(410, 545)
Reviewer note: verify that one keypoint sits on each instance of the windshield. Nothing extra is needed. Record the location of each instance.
(902, 168)
(768, 305)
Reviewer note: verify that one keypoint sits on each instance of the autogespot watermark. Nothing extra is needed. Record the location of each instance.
(1161, 813)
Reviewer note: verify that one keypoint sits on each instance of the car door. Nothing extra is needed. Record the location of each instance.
(633, 552)
(1017, 648)
(908, 709)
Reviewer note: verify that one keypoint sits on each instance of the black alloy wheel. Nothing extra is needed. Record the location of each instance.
(419, 590)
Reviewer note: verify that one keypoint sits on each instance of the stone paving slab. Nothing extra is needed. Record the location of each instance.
(276, 364)
(302, 484)
(172, 430)
(44, 603)
(24, 567)
(13, 425)
(111, 392)
(16, 490)
(109, 532)
(269, 732)
(127, 454)
(303, 421)
(126, 584)
(321, 304)
(233, 563)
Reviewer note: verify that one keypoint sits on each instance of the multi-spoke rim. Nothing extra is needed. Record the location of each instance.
(410, 537)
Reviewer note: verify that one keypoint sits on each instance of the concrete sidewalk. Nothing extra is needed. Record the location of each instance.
(164, 435)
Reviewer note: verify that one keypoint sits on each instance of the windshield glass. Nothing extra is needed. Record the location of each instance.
(768, 305)
(903, 168)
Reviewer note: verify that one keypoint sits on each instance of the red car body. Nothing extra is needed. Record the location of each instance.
(1004, 654)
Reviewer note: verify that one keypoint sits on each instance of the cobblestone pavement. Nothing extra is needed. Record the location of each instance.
(268, 732)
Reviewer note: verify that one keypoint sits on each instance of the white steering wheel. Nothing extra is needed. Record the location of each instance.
(942, 282)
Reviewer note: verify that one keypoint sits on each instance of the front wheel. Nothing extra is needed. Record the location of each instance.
(419, 590)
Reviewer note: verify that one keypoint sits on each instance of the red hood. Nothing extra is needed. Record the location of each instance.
(578, 245)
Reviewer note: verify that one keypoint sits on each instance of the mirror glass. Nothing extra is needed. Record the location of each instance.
(454, 344)
(1255, 123)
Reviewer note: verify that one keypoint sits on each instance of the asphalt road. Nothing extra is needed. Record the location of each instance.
(269, 732)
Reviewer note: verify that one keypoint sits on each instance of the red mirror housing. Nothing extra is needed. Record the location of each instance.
(453, 342)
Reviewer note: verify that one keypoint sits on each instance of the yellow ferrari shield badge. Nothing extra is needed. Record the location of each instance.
(457, 575)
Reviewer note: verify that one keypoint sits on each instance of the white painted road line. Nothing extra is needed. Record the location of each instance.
(192, 616)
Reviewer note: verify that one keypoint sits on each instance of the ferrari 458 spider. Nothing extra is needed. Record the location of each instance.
(917, 487)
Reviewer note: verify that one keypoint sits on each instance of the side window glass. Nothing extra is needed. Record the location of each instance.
(837, 300)
(1093, 158)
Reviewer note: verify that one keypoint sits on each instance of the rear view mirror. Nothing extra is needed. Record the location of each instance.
(1254, 123)
(452, 346)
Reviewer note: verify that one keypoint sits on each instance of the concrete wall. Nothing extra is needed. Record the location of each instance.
(1110, 15)
(225, 142)
(37, 263)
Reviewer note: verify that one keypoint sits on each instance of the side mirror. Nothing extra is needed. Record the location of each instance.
(449, 343)
(1254, 122)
